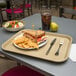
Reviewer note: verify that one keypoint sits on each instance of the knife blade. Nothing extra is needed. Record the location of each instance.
(51, 44)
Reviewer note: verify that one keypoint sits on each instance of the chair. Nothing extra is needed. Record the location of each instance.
(15, 11)
(74, 6)
(28, 6)
(63, 11)
(2, 7)
(21, 71)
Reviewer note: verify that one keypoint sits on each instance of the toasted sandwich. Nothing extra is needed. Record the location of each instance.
(35, 35)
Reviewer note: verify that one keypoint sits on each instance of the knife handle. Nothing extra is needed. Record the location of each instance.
(48, 50)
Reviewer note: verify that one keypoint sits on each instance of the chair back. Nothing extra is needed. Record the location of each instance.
(28, 6)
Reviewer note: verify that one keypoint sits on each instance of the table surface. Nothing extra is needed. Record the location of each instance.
(66, 26)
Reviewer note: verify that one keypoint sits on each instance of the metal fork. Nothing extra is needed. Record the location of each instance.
(60, 44)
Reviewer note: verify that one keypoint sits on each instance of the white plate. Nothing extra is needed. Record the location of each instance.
(13, 29)
(40, 45)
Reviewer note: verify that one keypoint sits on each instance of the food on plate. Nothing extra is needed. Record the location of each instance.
(25, 42)
(30, 39)
(13, 24)
(35, 35)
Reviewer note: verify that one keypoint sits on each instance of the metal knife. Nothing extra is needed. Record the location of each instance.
(51, 44)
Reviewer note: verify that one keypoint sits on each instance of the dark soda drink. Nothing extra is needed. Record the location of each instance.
(46, 19)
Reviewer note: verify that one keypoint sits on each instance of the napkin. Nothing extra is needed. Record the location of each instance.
(72, 55)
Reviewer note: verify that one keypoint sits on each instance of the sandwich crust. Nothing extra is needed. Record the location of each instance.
(34, 33)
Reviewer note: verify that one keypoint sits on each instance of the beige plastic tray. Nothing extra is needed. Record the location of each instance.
(41, 52)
